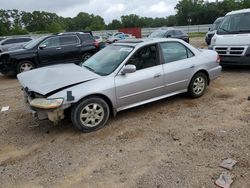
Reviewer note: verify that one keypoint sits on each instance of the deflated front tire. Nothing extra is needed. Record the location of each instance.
(90, 114)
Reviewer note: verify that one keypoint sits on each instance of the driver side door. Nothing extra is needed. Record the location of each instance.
(51, 53)
(146, 83)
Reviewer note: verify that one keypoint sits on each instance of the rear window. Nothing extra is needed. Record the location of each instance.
(178, 32)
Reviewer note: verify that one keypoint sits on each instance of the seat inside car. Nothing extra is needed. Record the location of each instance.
(144, 58)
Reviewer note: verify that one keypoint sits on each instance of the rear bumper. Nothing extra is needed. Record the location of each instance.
(215, 72)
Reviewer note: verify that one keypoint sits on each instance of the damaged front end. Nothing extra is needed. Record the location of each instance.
(44, 107)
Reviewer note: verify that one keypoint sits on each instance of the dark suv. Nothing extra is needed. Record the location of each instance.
(170, 33)
(54, 49)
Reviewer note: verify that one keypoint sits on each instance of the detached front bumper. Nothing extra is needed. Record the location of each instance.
(55, 115)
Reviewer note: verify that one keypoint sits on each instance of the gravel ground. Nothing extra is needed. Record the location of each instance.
(175, 142)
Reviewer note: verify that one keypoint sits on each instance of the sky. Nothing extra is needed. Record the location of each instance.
(108, 9)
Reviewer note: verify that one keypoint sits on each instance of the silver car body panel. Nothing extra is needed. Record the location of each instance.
(124, 91)
(47, 79)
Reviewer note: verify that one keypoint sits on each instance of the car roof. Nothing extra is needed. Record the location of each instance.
(142, 41)
(239, 11)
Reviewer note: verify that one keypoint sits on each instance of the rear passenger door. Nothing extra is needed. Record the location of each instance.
(70, 48)
(178, 64)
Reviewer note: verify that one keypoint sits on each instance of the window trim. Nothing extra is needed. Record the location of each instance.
(162, 56)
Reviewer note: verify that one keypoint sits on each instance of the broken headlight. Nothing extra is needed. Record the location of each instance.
(46, 103)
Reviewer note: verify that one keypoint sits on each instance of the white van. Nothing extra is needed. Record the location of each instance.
(232, 39)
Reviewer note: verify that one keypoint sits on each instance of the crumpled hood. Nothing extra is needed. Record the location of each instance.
(48, 79)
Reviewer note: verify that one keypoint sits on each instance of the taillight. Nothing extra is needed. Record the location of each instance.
(96, 44)
(218, 59)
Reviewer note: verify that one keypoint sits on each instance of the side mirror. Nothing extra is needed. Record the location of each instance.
(42, 46)
(128, 69)
(209, 29)
(168, 36)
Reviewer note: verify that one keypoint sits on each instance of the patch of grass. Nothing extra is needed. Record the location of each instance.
(198, 34)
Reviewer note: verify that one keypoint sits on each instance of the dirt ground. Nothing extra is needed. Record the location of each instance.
(175, 142)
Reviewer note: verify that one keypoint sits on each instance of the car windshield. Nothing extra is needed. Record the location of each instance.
(107, 60)
(33, 43)
(216, 24)
(157, 34)
(235, 24)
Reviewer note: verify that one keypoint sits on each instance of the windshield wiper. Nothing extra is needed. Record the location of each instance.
(92, 70)
(244, 31)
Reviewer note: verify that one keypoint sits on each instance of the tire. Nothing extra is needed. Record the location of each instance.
(90, 114)
(198, 85)
(24, 66)
(86, 56)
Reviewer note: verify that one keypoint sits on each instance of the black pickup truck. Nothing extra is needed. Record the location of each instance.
(48, 50)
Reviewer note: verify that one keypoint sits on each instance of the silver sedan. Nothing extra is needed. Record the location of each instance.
(121, 76)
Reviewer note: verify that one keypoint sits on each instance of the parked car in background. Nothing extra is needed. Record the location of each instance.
(98, 39)
(232, 39)
(18, 42)
(1, 38)
(170, 33)
(115, 37)
(123, 75)
(47, 50)
(129, 36)
(212, 30)
(101, 42)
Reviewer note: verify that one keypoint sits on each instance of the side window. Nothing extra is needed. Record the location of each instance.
(87, 38)
(190, 54)
(177, 32)
(51, 42)
(144, 58)
(170, 33)
(175, 51)
(69, 40)
(19, 40)
(9, 41)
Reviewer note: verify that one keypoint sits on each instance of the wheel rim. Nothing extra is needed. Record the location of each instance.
(26, 67)
(199, 85)
(92, 115)
(86, 57)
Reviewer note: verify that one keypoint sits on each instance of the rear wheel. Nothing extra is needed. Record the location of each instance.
(86, 56)
(90, 114)
(198, 85)
(24, 66)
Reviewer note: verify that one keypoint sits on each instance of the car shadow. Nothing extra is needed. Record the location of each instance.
(236, 68)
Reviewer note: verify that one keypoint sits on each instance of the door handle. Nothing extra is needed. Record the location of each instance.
(58, 48)
(157, 75)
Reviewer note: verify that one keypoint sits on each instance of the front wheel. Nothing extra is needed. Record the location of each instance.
(24, 66)
(198, 85)
(90, 114)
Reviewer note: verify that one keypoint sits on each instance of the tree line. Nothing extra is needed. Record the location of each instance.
(192, 12)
